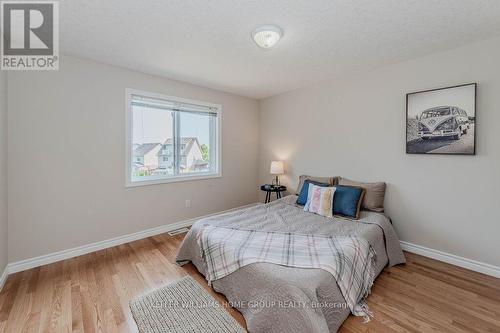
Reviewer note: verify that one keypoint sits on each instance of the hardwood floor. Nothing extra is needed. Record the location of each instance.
(91, 293)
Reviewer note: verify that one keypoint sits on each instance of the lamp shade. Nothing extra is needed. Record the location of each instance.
(277, 168)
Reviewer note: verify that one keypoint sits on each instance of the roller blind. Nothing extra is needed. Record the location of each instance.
(164, 104)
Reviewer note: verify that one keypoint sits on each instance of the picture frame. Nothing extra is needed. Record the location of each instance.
(442, 121)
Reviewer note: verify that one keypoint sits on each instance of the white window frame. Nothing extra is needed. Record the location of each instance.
(152, 180)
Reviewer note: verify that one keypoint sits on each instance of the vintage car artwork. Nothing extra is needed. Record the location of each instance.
(443, 122)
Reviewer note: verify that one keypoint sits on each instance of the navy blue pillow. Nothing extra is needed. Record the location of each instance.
(302, 199)
(347, 201)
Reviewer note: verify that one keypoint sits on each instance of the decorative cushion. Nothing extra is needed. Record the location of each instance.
(302, 199)
(347, 201)
(374, 194)
(320, 200)
(331, 181)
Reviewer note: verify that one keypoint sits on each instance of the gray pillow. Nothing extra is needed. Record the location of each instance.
(374, 194)
(327, 180)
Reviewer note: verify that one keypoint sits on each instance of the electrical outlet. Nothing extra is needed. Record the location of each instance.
(188, 203)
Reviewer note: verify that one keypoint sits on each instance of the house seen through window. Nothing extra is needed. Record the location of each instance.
(172, 139)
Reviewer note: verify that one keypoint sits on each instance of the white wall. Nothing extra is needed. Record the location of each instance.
(56, 202)
(356, 128)
(3, 171)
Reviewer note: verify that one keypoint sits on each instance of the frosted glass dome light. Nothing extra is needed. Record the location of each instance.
(267, 36)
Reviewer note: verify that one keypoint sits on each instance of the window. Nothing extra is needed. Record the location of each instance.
(436, 113)
(171, 139)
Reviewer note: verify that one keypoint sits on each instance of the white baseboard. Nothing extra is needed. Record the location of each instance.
(84, 249)
(473, 265)
(3, 277)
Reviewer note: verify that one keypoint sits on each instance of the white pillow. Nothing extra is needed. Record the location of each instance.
(320, 200)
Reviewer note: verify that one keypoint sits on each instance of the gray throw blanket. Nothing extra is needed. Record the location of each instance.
(271, 285)
(350, 260)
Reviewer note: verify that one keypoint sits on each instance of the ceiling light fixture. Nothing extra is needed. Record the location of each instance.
(267, 36)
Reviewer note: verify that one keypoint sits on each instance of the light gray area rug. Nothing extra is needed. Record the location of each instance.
(182, 306)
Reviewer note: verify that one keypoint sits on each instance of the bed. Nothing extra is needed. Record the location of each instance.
(271, 296)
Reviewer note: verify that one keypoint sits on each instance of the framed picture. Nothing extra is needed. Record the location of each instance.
(442, 121)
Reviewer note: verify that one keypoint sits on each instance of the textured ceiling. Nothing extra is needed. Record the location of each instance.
(207, 42)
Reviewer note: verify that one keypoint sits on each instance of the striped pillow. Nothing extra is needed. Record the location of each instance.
(320, 200)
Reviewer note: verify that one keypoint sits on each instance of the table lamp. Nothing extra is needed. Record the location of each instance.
(277, 169)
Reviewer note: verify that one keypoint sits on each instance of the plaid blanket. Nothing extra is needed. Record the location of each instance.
(349, 259)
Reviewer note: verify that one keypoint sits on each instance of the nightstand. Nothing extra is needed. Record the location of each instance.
(268, 188)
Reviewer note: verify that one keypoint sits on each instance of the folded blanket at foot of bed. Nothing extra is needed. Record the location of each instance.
(349, 259)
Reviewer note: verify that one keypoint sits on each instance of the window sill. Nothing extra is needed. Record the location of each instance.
(158, 181)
